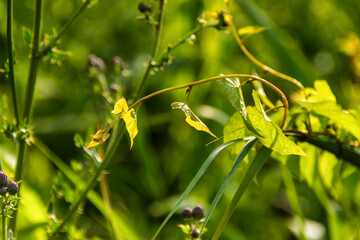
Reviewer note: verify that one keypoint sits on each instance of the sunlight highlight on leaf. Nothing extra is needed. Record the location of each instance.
(250, 30)
(121, 107)
(131, 125)
(191, 118)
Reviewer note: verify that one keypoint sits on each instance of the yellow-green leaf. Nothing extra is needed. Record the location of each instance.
(250, 30)
(98, 138)
(121, 107)
(131, 125)
(191, 118)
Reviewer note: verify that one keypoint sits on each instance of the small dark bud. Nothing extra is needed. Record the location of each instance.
(187, 213)
(144, 8)
(222, 16)
(3, 179)
(195, 234)
(114, 88)
(3, 191)
(198, 212)
(96, 62)
(13, 188)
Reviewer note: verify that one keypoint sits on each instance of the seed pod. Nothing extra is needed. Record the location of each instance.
(198, 212)
(195, 234)
(187, 213)
(3, 179)
(13, 188)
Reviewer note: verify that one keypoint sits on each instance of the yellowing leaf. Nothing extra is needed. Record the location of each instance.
(250, 30)
(191, 118)
(98, 138)
(131, 125)
(121, 107)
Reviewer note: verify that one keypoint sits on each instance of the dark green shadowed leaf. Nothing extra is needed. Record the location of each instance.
(254, 168)
(239, 159)
(195, 180)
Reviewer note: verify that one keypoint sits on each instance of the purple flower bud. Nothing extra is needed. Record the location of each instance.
(13, 188)
(198, 212)
(3, 179)
(187, 213)
(195, 233)
(96, 62)
(3, 191)
(143, 7)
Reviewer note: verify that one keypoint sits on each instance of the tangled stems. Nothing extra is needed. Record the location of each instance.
(251, 78)
(257, 62)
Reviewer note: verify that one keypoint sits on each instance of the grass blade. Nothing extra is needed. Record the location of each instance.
(239, 159)
(254, 167)
(196, 179)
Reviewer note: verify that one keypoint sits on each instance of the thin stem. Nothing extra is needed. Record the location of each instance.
(3, 224)
(11, 60)
(45, 49)
(107, 158)
(28, 100)
(150, 65)
(257, 62)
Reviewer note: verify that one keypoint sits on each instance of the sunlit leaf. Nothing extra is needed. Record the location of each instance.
(260, 90)
(121, 107)
(131, 125)
(329, 169)
(322, 93)
(191, 118)
(335, 113)
(250, 30)
(98, 138)
(185, 228)
(271, 135)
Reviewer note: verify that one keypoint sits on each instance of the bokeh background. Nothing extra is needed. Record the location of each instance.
(308, 40)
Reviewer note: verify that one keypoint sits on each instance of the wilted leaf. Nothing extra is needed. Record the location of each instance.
(335, 113)
(121, 107)
(250, 30)
(131, 125)
(191, 118)
(98, 138)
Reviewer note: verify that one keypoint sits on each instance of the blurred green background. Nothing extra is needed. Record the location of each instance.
(305, 39)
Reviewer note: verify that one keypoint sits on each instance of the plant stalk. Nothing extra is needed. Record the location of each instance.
(28, 100)
(3, 224)
(11, 60)
(150, 65)
(45, 49)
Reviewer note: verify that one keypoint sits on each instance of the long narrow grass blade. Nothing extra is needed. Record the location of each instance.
(254, 167)
(196, 179)
(239, 159)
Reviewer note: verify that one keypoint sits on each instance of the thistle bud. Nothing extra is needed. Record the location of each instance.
(144, 8)
(3, 191)
(3, 179)
(195, 234)
(13, 188)
(187, 213)
(198, 212)
(95, 62)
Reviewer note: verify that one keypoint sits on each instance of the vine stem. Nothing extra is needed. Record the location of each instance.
(11, 60)
(3, 224)
(28, 100)
(45, 49)
(256, 61)
(251, 77)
